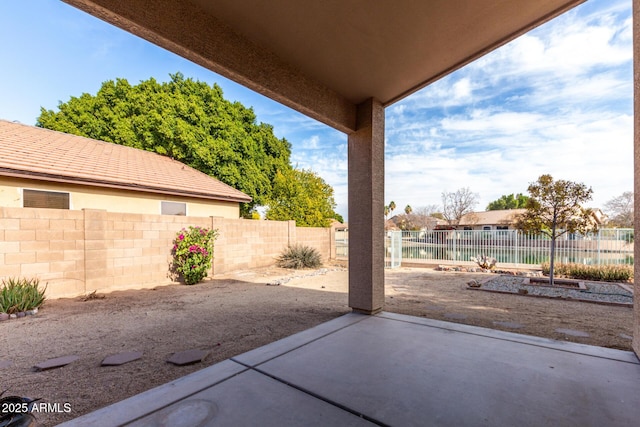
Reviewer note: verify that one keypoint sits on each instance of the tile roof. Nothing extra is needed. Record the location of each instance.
(36, 153)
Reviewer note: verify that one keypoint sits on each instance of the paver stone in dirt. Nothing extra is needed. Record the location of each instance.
(121, 358)
(58, 362)
(187, 357)
(511, 325)
(573, 332)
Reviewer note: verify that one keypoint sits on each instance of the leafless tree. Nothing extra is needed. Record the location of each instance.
(455, 205)
(620, 210)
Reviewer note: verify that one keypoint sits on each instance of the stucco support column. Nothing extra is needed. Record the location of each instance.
(636, 173)
(366, 209)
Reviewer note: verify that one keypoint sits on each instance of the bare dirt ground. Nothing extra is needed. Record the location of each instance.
(236, 313)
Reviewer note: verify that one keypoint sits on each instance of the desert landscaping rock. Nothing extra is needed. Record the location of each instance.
(121, 358)
(4, 316)
(187, 357)
(595, 291)
(572, 332)
(5, 364)
(626, 337)
(58, 362)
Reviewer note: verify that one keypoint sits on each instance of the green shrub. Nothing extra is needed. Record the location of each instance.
(193, 253)
(299, 256)
(602, 273)
(18, 294)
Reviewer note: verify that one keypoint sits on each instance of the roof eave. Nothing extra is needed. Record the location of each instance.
(120, 186)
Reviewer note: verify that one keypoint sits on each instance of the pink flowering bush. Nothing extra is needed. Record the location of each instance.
(193, 252)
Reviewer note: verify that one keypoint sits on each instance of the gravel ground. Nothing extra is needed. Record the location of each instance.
(596, 291)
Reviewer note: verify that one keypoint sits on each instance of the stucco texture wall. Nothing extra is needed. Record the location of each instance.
(113, 200)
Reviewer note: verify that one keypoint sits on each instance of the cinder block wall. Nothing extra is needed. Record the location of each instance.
(319, 238)
(78, 252)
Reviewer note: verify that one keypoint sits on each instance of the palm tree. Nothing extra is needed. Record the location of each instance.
(408, 209)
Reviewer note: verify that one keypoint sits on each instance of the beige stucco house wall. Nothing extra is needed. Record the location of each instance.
(113, 200)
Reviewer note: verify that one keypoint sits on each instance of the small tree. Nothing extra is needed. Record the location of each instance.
(554, 208)
(455, 205)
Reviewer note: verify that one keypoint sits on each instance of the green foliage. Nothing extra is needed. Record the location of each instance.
(193, 253)
(299, 256)
(338, 217)
(186, 120)
(18, 294)
(303, 196)
(602, 273)
(508, 202)
(554, 208)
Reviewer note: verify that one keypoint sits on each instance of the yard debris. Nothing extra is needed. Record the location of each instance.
(91, 296)
(474, 284)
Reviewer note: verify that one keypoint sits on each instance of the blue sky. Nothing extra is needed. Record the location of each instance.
(557, 100)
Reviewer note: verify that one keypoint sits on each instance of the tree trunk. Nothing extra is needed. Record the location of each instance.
(553, 251)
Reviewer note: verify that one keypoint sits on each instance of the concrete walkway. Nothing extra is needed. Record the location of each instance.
(397, 370)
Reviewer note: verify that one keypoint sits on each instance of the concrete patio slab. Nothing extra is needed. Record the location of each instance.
(392, 369)
(252, 399)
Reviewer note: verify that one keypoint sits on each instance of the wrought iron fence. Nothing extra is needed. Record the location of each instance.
(607, 246)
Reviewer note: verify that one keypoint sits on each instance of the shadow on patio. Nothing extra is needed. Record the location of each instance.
(392, 369)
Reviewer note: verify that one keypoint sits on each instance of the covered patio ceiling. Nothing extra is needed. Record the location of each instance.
(323, 58)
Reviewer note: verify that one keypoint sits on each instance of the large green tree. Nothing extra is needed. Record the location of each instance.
(185, 119)
(303, 196)
(508, 202)
(555, 208)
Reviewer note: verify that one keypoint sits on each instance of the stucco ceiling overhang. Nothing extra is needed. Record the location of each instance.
(323, 58)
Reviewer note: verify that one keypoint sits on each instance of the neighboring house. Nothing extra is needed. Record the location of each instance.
(41, 168)
(413, 222)
(505, 219)
(490, 220)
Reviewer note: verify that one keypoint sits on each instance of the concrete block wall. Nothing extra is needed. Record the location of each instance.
(78, 252)
(44, 243)
(319, 238)
(245, 244)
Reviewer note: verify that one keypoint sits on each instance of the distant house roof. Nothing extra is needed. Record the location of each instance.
(42, 154)
(498, 217)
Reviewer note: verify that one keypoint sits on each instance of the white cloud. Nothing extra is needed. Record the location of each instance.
(557, 100)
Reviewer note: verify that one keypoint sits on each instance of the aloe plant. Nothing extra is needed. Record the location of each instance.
(19, 294)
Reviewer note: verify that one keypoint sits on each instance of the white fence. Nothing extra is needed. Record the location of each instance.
(607, 246)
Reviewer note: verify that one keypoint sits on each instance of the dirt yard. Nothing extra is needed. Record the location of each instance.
(236, 313)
